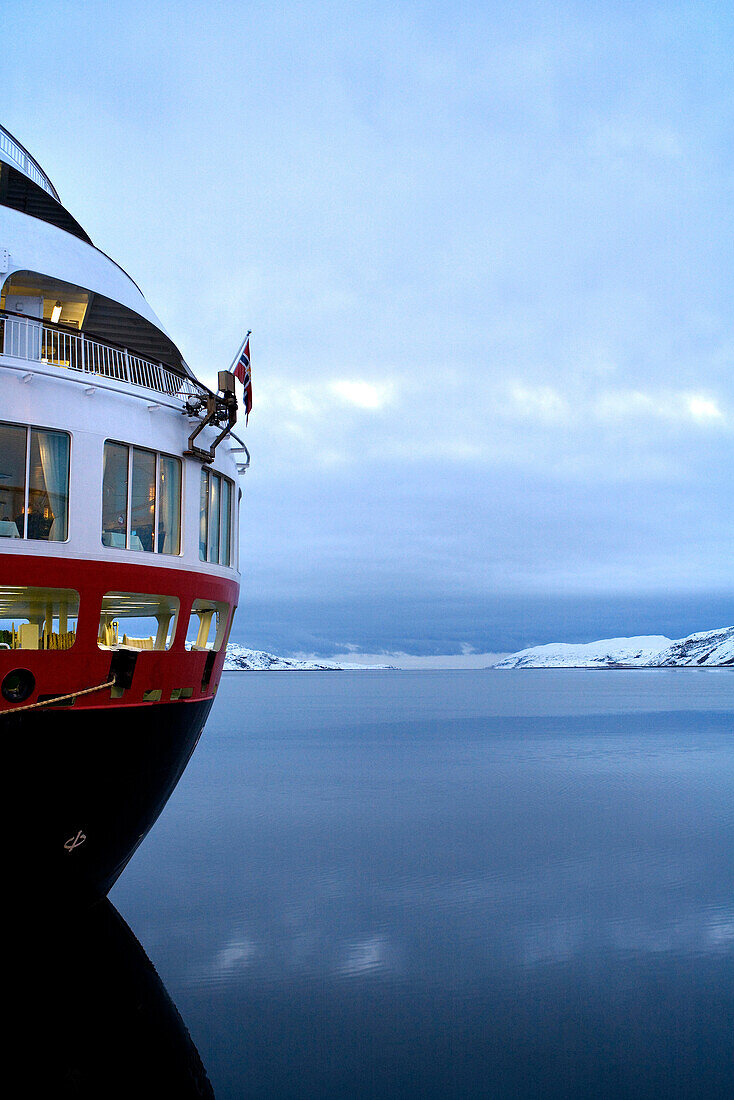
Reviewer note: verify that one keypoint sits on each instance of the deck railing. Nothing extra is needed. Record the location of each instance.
(25, 338)
(25, 162)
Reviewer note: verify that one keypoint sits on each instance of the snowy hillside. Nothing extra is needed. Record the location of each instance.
(710, 647)
(255, 660)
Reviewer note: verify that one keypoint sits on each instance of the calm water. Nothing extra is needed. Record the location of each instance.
(463, 884)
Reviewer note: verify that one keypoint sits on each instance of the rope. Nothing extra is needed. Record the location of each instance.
(57, 699)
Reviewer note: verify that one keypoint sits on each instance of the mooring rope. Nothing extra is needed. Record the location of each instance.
(57, 699)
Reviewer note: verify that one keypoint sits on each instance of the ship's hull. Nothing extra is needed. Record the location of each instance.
(85, 778)
(85, 787)
(119, 535)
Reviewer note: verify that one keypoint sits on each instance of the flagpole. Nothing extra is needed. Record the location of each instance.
(240, 350)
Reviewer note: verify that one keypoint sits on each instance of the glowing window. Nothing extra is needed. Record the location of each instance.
(38, 618)
(141, 499)
(207, 625)
(34, 483)
(215, 518)
(137, 620)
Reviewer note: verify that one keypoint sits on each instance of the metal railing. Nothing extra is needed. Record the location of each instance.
(24, 338)
(25, 162)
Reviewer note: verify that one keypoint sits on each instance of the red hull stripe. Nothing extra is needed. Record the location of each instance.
(59, 672)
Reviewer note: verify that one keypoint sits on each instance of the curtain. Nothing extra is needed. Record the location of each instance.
(213, 548)
(169, 506)
(203, 513)
(142, 493)
(224, 554)
(53, 448)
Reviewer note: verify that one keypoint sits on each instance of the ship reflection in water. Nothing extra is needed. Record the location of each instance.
(93, 1018)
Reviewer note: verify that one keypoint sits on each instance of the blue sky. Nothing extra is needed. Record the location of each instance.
(485, 252)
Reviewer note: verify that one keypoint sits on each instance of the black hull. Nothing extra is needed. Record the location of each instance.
(84, 787)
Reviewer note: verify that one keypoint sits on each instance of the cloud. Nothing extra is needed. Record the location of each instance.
(703, 408)
(634, 137)
(362, 394)
(538, 402)
(699, 408)
(317, 398)
(485, 258)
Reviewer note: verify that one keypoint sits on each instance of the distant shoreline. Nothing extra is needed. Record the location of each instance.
(491, 668)
(706, 649)
(239, 658)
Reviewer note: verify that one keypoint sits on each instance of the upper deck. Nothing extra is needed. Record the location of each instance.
(30, 344)
(63, 301)
(64, 304)
(12, 152)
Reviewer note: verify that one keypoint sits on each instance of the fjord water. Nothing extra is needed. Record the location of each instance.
(452, 884)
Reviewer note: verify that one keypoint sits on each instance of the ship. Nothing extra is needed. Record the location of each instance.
(119, 519)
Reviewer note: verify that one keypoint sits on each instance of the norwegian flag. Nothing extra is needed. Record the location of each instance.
(242, 371)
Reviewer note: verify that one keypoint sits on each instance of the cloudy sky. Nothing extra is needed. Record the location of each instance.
(486, 254)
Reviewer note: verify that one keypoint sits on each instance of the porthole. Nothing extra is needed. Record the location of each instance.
(18, 685)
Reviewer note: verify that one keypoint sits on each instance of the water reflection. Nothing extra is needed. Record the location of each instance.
(362, 900)
(92, 1017)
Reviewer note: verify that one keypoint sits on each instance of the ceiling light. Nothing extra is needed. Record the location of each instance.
(56, 313)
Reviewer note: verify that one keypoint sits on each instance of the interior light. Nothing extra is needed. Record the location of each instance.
(56, 313)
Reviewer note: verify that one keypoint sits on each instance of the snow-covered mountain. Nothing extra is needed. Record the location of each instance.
(256, 660)
(710, 647)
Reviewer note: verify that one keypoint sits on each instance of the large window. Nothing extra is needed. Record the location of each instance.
(207, 625)
(34, 483)
(38, 618)
(141, 499)
(137, 620)
(215, 518)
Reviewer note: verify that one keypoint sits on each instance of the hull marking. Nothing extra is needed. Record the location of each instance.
(75, 841)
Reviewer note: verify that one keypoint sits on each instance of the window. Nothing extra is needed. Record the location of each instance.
(207, 625)
(137, 620)
(34, 483)
(141, 499)
(215, 518)
(38, 618)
